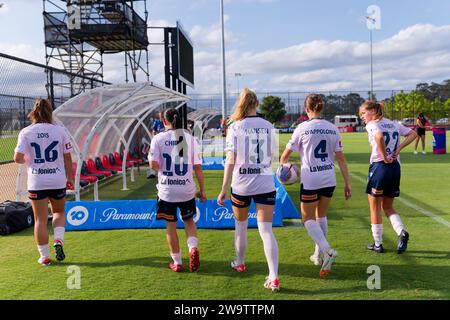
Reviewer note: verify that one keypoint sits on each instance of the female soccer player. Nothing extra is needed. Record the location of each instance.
(420, 123)
(45, 149)
(318, 141)
(250, 146)
(174, 153)
(384, 171)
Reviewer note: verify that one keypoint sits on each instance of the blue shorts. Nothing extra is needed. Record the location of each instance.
(244, 201)
(56, 194)
(384, 179)
(308, 196)
(168, 210)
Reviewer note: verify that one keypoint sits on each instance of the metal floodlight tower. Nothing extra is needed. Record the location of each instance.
(224, 80)
(237, 75)
(79, 32)
(373, 22)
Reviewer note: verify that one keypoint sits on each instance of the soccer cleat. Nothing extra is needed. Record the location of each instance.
(44, 261)
(415, 152)
(316, 259)
(175, 267)
(402, 242)
(59, 250)
(194, 260)
(423, 152)
(377, 249)
(273, 285)
(328, 259)
(238, 267)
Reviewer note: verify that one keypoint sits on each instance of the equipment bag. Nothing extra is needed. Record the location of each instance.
(15, 216)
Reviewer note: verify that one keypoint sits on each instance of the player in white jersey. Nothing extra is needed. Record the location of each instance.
(250, 146)
(175, 154)
(384, 172)
(45, 149)
(318, 141)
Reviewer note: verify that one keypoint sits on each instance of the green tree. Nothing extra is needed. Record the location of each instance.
(273, 109)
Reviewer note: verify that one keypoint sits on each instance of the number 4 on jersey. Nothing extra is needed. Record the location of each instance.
(320, 152)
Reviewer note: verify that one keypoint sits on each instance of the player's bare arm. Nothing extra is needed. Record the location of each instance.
(285, 156)
(19, 158)
(228, 172)
(344, 170)
(201, 183)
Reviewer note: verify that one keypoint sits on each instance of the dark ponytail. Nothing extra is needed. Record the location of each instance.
(173, 116)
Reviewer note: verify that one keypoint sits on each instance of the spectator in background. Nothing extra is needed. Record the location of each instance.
(158, 125)
(420, 128)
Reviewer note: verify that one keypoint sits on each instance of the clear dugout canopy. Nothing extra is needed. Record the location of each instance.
(106, 119)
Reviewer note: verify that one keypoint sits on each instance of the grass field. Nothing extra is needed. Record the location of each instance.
(7, 145)
(132, 264)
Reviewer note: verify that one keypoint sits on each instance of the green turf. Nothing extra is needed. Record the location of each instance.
(7, 145)
(132, 264)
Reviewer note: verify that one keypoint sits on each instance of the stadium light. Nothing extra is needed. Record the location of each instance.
(373, 22)
(237, 75)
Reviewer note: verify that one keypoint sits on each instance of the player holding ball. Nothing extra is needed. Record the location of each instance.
(318, 141)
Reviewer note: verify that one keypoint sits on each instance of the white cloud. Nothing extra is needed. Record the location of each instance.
(420, 53)
(4, 8)
(415, 54)
(211, 36)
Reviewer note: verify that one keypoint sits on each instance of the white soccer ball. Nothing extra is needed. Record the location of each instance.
(288, 173)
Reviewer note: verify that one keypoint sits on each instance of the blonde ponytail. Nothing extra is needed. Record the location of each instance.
(247, 101)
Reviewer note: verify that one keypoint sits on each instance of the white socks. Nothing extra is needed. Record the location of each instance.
(58, 233)
(397, 223)
(240, 240)
(192, 242)
(377, 233)
(270, 248)
(43, 251)
(176, 257)
(316, 233)
(323, 222)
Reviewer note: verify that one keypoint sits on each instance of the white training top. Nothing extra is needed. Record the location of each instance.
(253, 141)
(175, 180)
(317, 140)
(43, 145)
(391, 131)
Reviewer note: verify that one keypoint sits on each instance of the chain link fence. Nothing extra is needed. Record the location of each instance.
(400, 105)
(21, 83)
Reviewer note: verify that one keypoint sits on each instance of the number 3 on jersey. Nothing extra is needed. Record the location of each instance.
(50, 155)
(320, 152)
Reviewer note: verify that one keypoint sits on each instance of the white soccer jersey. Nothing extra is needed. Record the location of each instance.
(391, 131)
(44, 145)
(317, 140)
(253, 141)
(175, 180)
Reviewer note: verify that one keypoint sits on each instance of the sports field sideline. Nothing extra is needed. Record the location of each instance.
(132, 264)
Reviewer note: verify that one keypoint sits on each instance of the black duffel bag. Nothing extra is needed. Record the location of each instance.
(15, 216)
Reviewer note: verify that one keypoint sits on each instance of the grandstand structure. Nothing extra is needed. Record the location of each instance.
(78, 33)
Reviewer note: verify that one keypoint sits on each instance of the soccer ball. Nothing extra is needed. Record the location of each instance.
(288, 174)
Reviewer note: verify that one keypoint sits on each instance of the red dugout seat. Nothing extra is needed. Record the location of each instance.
(90, 179)
(93, 169)
(107, 165)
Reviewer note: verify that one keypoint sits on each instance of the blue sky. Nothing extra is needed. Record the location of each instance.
(279, 44)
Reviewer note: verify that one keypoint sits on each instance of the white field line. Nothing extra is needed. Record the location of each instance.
(411, 205)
